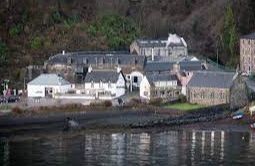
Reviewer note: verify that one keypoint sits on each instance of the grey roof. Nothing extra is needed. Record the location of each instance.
(89, 58)
(211, 79)
(190, 65)
(249, 36)
(49, 79)
(158, 66)
(102, 75)
(161, 77)
(168, 66)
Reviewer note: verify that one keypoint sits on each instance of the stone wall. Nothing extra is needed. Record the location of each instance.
(208, 96)
(247, 55)
(239, 93)
(168, 94)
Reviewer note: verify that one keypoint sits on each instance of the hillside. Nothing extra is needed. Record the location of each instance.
(31, 31)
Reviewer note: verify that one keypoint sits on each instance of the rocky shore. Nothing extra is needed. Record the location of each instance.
(110, 118)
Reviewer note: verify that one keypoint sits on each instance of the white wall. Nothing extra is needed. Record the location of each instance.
(39, 90)
(35, 91)
(145, 88)
(117, 89)
(139, 76)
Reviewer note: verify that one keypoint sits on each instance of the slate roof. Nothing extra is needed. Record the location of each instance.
(168, 66)
(89, 58)
(211, 79)
(158, 66)
(249, 36)
(160, 77)
(190, 65)
(102, 75)
(49, 79)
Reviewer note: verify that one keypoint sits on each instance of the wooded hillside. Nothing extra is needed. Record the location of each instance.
(33, 30)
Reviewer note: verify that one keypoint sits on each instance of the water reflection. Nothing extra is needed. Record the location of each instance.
(130, 148)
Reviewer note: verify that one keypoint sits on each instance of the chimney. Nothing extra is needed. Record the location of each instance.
(152, 54)
(63, 52)
(118, 69)
(89, 69)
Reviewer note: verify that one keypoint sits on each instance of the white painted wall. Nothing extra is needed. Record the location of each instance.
(145, 89)
(117, 89)
(39, 90)
(35, 91)
(139, 76)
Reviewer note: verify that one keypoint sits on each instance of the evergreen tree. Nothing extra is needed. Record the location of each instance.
(230, 35)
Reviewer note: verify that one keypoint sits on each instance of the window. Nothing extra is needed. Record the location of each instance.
(145, 93)
(92, 84)
(135, 79)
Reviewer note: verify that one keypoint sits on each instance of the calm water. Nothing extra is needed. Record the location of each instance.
(130, 148)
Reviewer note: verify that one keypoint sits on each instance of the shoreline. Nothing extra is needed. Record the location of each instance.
(121, 118)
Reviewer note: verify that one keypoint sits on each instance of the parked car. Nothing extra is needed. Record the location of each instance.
(13, 99)
(2, 99)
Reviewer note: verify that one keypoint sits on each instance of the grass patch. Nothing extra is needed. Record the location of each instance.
(184, 106)
(5, 107)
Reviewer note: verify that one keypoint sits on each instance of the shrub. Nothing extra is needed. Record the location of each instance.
(17, 110)
(36, 43)
(3, 53)
(107, 103)
(118, 31)
(156, 101)
(15, 30)
(182, 98)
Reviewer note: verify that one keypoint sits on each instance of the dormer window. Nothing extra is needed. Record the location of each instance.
(109, 84)
(103, 60)
(96, 60)
(85, 61)
(69, 60)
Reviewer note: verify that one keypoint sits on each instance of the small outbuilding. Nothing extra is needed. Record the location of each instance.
(47, 85)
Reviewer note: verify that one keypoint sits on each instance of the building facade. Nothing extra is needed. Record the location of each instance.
(104, 84)
(164, 86)
(174, 47)
(210, 88)
(48, 85)
(74, 66)
(247, 53)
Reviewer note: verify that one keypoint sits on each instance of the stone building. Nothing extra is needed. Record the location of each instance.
(164, 86)
(169, 49)
(210, 87)
(247, 53)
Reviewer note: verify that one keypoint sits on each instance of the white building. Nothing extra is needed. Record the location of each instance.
(163, 86)
(47, 85)
(105, 84)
